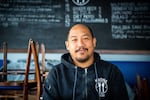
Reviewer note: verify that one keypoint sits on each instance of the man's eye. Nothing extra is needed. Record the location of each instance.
(74, 39)
(86, 38)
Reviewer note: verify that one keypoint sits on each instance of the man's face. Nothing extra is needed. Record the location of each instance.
(80, 43)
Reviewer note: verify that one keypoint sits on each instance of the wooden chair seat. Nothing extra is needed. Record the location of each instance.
(11, 84)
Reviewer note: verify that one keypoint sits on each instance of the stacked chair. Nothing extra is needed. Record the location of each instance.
(19, 90)
(143, 89)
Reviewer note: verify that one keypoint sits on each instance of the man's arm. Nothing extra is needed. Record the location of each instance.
(50, 89)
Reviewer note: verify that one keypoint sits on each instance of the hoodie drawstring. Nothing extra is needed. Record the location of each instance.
(75, 81)
(96, 71)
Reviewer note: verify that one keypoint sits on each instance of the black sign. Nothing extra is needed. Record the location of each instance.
(117, 25)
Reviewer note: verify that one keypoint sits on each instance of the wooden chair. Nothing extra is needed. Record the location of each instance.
(44, 71)
(143, 89)
(19, 89)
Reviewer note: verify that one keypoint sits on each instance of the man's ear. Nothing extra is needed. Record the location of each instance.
(94, 42)
(67, 45)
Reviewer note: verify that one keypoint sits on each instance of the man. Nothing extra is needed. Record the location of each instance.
(82, 75)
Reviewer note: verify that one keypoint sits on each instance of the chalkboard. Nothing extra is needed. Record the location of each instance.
(117, 24)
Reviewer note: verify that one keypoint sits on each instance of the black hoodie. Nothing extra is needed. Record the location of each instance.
(99, 81)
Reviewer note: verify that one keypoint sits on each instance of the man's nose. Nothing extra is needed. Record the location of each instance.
(80, 42)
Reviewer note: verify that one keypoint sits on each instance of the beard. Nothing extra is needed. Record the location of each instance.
(82, 60)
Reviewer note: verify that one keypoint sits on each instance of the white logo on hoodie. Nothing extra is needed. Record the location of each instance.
(101, 86)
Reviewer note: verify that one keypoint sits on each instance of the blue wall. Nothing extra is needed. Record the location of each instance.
(131, 68)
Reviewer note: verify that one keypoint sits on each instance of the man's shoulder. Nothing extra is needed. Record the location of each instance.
(59, 66)
(107, 65)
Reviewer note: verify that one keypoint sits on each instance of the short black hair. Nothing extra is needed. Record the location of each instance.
(90, 29)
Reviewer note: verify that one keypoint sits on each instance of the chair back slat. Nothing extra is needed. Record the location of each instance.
(5, 61)
(37, 68)
(143, 89)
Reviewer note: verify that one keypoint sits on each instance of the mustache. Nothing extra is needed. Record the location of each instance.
(81, 48)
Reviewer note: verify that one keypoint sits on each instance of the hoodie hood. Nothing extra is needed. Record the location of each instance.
(68, 62)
